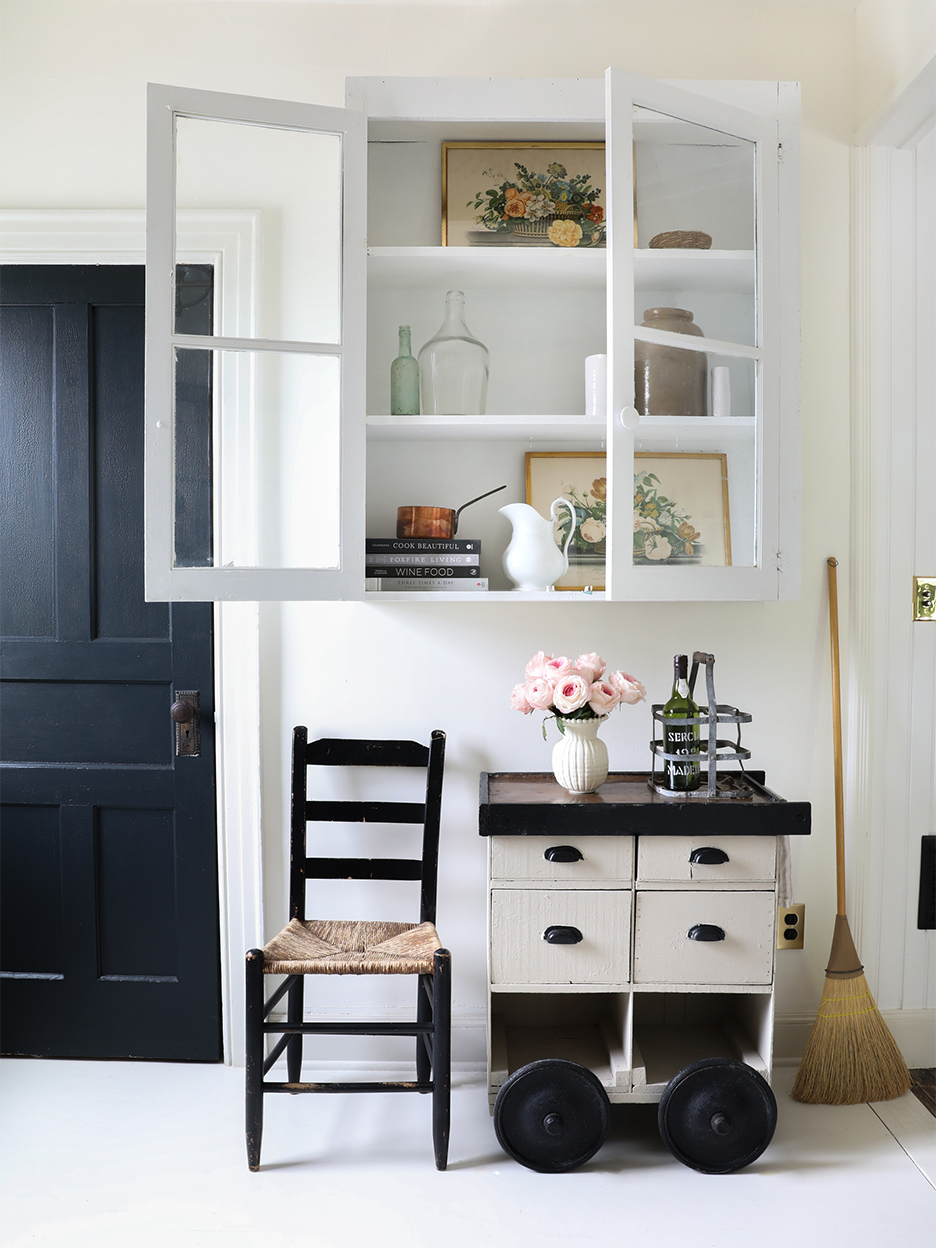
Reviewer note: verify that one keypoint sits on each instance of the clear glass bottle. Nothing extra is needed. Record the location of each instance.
(404, 379)
(453, 366)
(681, 738)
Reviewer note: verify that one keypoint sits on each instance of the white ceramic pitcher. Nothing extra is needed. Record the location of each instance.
(533, 561)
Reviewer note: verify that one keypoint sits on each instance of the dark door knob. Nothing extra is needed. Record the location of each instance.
(181, 712)
(558, 935)
(705, 931)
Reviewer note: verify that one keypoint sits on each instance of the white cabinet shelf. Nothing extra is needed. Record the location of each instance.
(494, 268)
(678, 269)
(560, 428)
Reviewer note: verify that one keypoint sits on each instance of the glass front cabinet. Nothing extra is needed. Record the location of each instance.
(628, 254)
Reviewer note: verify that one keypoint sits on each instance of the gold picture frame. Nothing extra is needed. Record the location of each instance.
(477, 178)
(681, 516)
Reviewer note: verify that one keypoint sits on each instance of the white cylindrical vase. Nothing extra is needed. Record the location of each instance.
(721, 391)
(580, 757)
(596, 385)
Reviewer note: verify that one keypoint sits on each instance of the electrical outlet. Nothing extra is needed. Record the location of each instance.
(791, 921)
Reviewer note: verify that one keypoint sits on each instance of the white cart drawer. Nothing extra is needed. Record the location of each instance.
(749, 858)
(563, 860)
(665, 953)
(520, 919)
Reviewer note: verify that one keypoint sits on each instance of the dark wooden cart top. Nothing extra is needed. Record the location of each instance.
(534, 804)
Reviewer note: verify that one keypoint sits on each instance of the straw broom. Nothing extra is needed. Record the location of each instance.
(850, 1056)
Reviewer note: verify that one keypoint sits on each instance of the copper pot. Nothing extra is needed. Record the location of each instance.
(441, 522)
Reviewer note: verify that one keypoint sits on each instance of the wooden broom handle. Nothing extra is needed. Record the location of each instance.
(837, 740)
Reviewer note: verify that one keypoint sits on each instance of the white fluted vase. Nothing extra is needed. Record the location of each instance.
(580, 757)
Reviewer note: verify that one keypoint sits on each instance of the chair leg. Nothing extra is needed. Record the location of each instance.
(441, 1055)
(423, 1015)
(294, 1047)
(254, 1041)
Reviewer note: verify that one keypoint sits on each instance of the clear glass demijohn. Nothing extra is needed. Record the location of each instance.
(453, 366)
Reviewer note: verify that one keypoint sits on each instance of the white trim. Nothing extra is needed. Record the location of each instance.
(913, 1030)
(890, 719)
(907, 116)
(226, 239)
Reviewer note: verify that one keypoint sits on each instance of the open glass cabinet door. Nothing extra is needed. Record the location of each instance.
(252, 472)
(695, 428)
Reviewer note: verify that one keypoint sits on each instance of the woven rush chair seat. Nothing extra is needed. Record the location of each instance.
(345, 947)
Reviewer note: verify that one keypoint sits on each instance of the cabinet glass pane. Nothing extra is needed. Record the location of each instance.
(293, 179)
(691, 178)
(698, 512)
(257, 457)
(695, 202)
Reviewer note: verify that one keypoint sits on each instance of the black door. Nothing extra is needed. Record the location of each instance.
(110, 943)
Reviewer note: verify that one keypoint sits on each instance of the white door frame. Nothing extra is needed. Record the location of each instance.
(890, 718)
(228, 240)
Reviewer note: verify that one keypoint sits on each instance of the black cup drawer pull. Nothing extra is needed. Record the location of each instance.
(563, 853)
(708, 855)
(562, 936)
(706, 931)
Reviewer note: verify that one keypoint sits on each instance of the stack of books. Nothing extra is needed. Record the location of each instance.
(423, 563)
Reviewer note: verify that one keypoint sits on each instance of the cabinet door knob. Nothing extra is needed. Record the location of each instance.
(629, 417)
(562, 935)
(705, 931)
(563, 853)
(708, 855)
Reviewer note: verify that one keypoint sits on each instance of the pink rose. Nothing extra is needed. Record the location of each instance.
(537, 665)
(629, 688)
(539, 693)
(591, 666)
(571, 693)
(556, 668)
(518, 700)
(603, 697)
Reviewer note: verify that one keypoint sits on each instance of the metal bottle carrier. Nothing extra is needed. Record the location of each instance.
(712, 750)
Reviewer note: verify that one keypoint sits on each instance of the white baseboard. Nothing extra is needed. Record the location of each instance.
(914, 1031)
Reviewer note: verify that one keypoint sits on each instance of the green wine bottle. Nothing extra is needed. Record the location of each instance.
(404, 379)
(681, 738)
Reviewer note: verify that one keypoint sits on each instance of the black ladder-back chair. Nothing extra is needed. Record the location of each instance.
(339, 947)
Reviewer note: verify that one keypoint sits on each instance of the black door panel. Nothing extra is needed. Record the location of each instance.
(109, 882)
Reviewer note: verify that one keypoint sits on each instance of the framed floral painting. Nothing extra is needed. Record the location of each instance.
(681, 514)
(681, 509)
(523, 194)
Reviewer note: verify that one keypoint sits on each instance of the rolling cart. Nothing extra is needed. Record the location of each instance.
(632, 937)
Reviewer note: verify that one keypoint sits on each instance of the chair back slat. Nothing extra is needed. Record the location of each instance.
(364, 868)
(334, 752)
(365, 812)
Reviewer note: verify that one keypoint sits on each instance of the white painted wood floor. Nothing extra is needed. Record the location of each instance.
(101, 1154)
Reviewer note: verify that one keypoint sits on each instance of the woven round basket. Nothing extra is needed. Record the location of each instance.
(682, 238)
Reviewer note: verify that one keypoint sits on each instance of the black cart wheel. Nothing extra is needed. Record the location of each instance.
(552, 1115)
(717, 1115)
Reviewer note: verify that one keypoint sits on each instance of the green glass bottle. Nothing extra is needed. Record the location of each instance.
(404, 379)
(681, 738)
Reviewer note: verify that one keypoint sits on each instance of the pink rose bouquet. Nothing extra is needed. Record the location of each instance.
(573, 689)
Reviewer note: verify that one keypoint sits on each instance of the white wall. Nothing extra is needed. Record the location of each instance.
(73, 84)
(893, 40)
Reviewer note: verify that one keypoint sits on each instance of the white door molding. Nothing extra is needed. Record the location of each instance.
(228, 240)
(891, 721)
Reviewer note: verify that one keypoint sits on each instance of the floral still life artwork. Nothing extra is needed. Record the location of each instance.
(681, 510)
(534, 194)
